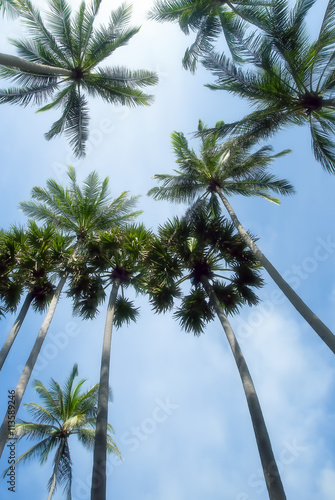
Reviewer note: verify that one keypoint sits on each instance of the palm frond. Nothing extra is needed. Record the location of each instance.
(10, 8)
(125, 311)
(194, 312)
(59, 20)
(38, 30)
(322, 131)
(74, 120)
(208, 31)
(105, 40)
(25, 95)
(35, 51)
(83, 27)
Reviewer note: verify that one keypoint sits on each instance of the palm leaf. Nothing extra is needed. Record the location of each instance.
(25, 95)
(59, 20)
(125, 312)
(323, 146)
(194, 312)
(106, 40)
(39, 31)
(10, 7)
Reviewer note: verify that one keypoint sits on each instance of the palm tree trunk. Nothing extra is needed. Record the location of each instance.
(15, 329)
(25, 376)
(56, 465)
(269, 465)
(32, 67)
(312, 319)
(98, 490)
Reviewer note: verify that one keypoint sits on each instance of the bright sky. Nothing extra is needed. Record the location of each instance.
(179, 412)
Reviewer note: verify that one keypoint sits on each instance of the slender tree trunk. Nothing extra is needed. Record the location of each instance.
(15, 329)
(98, 491)
(269, 465)
(312, 319)
(56, 465)
(25, 376)
(32, 67)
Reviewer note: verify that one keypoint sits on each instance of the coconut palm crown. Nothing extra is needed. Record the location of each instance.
(80, 210)
(60, 63)
(235, 167)
(289, 78)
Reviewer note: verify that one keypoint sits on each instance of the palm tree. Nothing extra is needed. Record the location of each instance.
(289, 79)
(223, 170)
(38, 257)
(61, 59)
(79, 213)
(67, 411)
(209, 19)
(223, 273)
(10, 287)
(116, 259)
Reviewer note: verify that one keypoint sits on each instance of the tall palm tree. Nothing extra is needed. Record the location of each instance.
(115, 259)
(232, 168)
(289, 79)
(79, 213)
(38, 258)
(209, 19)
(67, 411)
(223, 273)
(60, 61)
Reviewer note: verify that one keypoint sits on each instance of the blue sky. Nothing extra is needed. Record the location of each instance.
(178, 411)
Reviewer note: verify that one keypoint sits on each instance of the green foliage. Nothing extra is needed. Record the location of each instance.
(68, 49)
(110, 256)
(125, 311)
(231, 167)
(288, 79)
(204, 249)
(66, 411)
(209, 19)
(80, 211)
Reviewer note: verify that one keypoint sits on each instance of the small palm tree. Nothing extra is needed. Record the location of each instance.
(289, 79)
(37, 260)
(79, 213)
(233, 168)
(115, 259)
(209, 19)
(67, 411)
(223, 273)
(61, 59)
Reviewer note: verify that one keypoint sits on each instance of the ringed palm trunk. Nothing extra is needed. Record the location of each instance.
(32, 67)
(15, 329)
(28, 369)
(98, 490)
(270, 470)
(312, 319)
